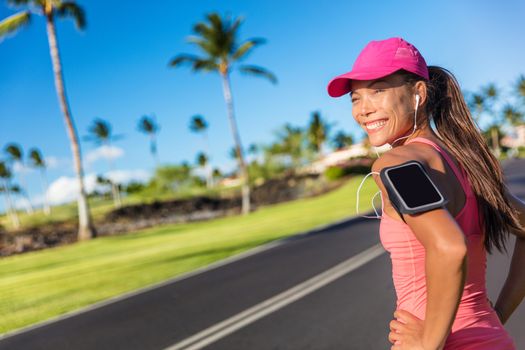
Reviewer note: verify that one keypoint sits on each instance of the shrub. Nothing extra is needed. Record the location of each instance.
(333, 173)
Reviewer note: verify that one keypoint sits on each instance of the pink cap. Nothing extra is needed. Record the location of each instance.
(379, 59)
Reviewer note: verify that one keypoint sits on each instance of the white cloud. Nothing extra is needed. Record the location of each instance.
(20, 168)
(125, 176)
(104, 152)
(65, 189)
(53, 162)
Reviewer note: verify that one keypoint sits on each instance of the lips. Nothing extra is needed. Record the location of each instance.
(374, 121)
(375, 125)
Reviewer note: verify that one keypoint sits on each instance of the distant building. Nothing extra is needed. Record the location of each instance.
(516, 138)
(230, 181)
(339, 157)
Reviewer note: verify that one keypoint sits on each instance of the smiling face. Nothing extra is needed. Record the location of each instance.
(384, 108)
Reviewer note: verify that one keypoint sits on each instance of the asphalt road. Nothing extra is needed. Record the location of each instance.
(351, 312)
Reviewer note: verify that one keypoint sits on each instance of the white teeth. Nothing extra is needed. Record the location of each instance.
(376, 125)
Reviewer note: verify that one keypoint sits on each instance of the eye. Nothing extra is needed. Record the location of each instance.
(377, 91)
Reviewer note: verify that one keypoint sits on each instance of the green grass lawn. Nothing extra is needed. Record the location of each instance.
(39, 285)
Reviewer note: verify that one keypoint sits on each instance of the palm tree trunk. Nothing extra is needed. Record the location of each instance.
(231, 116)
(11, 210)
(115, 192)
(85, 229)
(209, 179)
(47, 207)
(28, 205)
(154, 151)
(495, 142)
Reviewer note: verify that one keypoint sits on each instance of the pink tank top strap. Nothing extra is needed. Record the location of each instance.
(461, 175)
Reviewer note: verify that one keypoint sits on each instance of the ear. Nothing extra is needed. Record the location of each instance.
(420, 88)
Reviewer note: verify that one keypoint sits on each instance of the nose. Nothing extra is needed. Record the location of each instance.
(366, 106)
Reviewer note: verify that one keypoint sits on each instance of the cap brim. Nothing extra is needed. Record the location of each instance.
(341, 84)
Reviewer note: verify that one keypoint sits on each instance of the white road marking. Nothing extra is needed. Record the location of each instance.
(230, 325)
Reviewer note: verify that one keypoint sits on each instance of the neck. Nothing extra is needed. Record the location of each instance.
(422, 131)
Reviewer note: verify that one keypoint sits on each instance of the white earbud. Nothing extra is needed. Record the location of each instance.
(417, 101)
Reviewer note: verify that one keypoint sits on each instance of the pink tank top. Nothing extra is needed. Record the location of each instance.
(476, 326)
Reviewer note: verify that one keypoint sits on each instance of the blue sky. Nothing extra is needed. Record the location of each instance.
(117, 70)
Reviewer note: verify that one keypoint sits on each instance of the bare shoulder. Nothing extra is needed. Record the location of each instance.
(400, 155)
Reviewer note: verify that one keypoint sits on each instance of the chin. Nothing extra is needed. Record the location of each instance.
(377, 141)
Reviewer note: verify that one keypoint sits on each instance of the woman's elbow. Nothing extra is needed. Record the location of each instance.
(456, 252)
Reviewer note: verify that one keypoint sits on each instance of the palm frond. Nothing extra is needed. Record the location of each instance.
(92, 138)
(258, 71)
(491, 91)
(69, 9)
(148, 125)
(5, 172)
(207, 46)
(203, 30)
(206, 65)
(35, 156)
(18, 2)
(182, 59)
(235, 26)
(512, 115)
(520, 86)
(216, 22)
(14, 152)
(14, 22)
(99, 131)
(198, 123)
(246, 47)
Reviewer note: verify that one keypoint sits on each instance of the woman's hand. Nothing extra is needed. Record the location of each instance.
(406, 333)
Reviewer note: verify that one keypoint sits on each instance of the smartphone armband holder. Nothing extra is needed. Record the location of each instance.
(429, 195)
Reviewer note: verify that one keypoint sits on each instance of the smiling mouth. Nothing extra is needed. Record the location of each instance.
(375, 124)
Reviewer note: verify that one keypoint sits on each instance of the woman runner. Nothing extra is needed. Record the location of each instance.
(438, 256)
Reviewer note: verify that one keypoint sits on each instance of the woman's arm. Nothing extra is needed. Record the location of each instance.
(445, 268)
(445, 263)
(513, 290)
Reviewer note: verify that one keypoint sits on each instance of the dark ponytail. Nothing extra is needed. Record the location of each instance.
(456, 128)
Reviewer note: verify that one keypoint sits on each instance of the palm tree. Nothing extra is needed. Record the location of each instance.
(513, 117)
(491, 96)
(199, 125)
(254, 150)
(37, 161)
(520, 88)
(101, 135)
(149, 126)
(218, 39)
(291, 143)
(5, 176)
(477, 106)
(202, 161)
(234, 153)
(15, 155)
(317, 133)
(341, 139)
(216, 173)
(51, 9)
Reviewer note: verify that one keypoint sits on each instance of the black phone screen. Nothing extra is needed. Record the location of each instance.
(413, 185)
